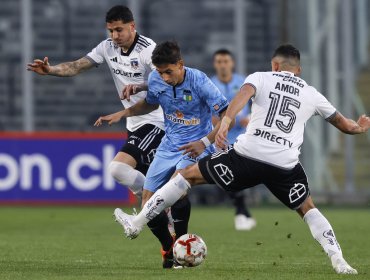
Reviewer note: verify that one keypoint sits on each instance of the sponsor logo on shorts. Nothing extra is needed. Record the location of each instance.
(297, 192)
(224, 173)
(148, 158)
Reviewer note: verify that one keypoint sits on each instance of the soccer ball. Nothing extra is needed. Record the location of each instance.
(189, 250)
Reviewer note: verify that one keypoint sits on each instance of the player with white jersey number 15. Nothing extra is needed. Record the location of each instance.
(268, 152)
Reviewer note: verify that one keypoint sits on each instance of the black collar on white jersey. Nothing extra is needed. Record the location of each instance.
(131, 47)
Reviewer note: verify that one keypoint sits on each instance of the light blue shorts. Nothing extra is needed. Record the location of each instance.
(165, 164)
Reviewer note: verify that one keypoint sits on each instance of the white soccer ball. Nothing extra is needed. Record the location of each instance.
(189, 250)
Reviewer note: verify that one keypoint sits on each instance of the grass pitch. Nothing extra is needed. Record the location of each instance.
(85, 243)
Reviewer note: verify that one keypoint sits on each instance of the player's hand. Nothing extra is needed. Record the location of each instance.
(111, 119)
(41, 67)
(221, 136)
(131, 90)
(193, 149)
(364, 122)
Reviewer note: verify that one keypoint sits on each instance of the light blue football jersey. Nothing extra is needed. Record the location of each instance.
(187, 107)
(229, 90)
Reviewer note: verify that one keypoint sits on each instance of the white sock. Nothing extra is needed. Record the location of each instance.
(126, 175)
(161, 199)
(323, 232)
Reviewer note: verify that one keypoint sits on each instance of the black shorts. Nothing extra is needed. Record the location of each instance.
(142, 144)
(234, 172)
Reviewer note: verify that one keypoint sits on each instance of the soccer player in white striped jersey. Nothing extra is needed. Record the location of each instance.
(267, 153)
(128, 56)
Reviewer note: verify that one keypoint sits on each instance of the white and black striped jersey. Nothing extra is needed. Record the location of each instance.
(131, 67)
(281, 106)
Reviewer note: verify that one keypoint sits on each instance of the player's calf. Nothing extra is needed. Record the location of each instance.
(323, 233)
(180, 212)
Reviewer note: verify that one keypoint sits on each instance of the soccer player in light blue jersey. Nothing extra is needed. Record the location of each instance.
(229, 83)
(188, 99)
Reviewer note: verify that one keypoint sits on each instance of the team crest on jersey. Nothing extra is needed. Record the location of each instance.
(134, 63)
(187, 95)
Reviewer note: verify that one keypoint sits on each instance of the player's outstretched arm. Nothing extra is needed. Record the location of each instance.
(140, 108)
(349, 126)
(66, 69)
(235, 106)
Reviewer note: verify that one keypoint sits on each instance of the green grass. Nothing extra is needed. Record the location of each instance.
(85, 243)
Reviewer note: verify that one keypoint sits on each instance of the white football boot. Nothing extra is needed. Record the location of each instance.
(125, 220)
(242, 222)
(341, 266)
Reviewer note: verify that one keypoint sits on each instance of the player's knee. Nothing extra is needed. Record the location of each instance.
(114, 170)
(121, 172)
(192, 175)
(187, 174)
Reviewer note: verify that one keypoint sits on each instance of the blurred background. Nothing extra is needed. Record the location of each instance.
(49, 150)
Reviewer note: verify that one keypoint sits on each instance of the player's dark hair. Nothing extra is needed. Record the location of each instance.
(223, 52)
(119, 12)
(167, 52)
(287, 51)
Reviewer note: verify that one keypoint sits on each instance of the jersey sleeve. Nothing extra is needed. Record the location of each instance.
(254, 80)
(323, 107)
(147, 58)
(97, 54)
(152, 95)
(212, 95)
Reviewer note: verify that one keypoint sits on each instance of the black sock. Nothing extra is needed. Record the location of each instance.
(239, 203)
(159, 227)
(180, 212)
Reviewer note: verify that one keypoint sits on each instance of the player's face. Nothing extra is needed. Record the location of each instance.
(223, 64)
(172, 74)
(121, 33)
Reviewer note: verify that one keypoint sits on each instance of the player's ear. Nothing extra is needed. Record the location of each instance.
(274, 66)
(180, 63)
(132, 26)
(299, 71)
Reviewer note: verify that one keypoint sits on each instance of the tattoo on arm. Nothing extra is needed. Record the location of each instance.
(69, 69)
(335, 119)
(345, 125)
